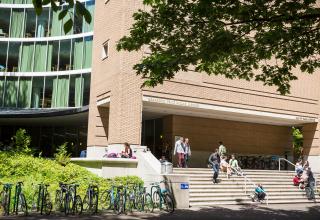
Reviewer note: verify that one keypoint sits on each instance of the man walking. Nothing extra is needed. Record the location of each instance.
(214, 160)
(179, 150)
(187, 152)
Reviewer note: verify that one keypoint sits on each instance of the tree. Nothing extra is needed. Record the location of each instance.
(66, 11)
(262, 40)
(297, 143)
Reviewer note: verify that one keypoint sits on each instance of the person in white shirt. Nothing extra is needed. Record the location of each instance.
(187, 152)
(179, 151)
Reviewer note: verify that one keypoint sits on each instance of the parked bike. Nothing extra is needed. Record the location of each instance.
(90, 201)
(5, 197)
(162, 198)
(19, 201)
(41, 200)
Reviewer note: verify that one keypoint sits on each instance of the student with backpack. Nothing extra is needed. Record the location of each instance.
(222, 149)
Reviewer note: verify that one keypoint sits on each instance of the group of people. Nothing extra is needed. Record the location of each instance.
(219, 160)
(182, 149)
(304, 178)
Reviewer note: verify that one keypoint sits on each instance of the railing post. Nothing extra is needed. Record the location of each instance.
(245, 185)
(279, 163)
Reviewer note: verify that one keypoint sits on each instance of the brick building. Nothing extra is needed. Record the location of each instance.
(251, 119)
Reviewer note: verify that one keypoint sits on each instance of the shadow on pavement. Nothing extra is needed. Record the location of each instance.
(213, 213)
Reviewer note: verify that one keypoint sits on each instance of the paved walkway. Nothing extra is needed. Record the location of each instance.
(245, 212)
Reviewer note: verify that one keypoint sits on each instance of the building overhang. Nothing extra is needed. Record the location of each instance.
(163, 106)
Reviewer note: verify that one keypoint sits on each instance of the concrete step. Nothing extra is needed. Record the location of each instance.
(239, 189)
(244, 197)
(204, 204)
(235, 186)
(241, 193)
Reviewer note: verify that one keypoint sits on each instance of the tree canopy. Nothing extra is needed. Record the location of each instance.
(261, 40)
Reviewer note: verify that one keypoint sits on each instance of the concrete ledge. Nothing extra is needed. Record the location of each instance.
(105, 160)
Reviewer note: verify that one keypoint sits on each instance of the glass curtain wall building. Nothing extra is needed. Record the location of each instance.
(44, 72)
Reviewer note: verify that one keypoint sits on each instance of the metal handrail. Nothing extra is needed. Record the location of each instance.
(315, 179)
(280, 158)
(247, 179)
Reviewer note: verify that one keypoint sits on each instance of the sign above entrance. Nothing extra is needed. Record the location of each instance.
(232, 112)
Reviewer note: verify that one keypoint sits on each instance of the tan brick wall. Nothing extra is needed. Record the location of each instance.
(114, 78)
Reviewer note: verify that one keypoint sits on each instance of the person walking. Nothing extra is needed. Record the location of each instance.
(179, 151)
(222, 149)
(187, 152)
(214, 160)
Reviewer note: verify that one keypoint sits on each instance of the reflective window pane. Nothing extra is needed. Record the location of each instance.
(17, 28)
(64, 56)
(40, 56)
(48, 91)
(24, 93)
(4, 22)
(30, 22)
(10, 96)
(37, 92)
(87, 52)
(26, 57)
(86, 89)
(55, 24)
(2, 81)
(77, 52)
(13, 56)
(3, 56)
(75, 91)
(53, 56)
(42, 23)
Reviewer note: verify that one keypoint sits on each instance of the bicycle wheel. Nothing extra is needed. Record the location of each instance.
(47, 206)
(86, 203)
(59, 201)
(156, 199)
(148, 203)
(119, 205)
(94, 203)
(35, 202)
(68, 203)
(5, 202)
(139, 203)
(169, 203)
(105, 200)
(130, 204)
(22, 206)
(78, 205)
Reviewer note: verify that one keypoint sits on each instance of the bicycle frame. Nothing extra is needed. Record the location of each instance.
(17, 193)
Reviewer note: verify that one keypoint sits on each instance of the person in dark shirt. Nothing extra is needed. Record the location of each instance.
(214, 160)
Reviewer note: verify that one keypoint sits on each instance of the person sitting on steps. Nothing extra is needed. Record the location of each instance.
(225, 167)
(235, 166)
(259, 193)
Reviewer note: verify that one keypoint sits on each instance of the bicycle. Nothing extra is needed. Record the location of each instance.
(19, 201)
(144, 200)
(5, 196)
(162, 197)
(41, 200)
(67, 200)
(107, 198)
(90, 201)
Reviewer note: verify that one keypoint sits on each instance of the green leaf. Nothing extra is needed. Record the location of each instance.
(62, 14)
(67, 26)
(82, 11)
(37, 4)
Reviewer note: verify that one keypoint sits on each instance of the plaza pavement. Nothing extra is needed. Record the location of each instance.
(272, 212)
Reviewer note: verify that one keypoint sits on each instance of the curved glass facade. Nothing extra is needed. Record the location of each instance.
(33, 48)
(46, 73)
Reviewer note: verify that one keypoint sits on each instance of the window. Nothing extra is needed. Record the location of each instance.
(105, 50)
(5, 14)
(3, 56)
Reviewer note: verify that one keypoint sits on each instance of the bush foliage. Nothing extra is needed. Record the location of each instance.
(31, 170)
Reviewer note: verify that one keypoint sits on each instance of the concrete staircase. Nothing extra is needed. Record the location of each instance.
(278, 185)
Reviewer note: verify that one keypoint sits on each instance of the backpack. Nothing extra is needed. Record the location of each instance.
(223, 149)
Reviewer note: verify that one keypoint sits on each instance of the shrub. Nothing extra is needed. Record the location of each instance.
(62, 156)
(31, 171)
(21, 142)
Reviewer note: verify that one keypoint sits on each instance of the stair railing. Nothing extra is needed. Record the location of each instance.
(247, 179)
(315, 179)
(280, 158)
